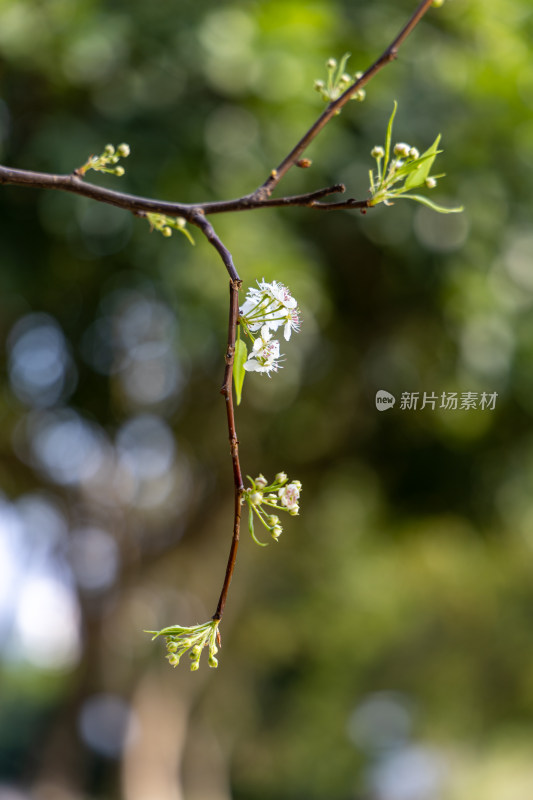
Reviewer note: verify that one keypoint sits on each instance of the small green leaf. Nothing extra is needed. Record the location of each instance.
(342, 67)
(389, 137)
(426, 202)
(419, 176)
(186, 233)
(413, 169)
(241, 354)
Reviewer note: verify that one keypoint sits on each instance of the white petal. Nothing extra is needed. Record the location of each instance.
(252, 366)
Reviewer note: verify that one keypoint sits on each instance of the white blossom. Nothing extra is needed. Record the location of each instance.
(265, 353)
(289, 496)
(272, 305)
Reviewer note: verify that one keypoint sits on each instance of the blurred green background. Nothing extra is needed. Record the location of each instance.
(383, 650)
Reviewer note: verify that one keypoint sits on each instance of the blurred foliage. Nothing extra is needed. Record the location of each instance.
(382, 649)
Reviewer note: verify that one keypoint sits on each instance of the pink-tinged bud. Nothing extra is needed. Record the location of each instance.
(260, 481)
(401, 149)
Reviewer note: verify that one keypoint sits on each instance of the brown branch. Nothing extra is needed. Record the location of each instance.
(138, 205)
(227, 392)
(385, 58)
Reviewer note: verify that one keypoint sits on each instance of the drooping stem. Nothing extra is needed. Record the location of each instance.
(227, 392)
(238, 487)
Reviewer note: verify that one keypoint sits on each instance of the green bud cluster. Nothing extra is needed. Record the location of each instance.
(402, 168)
(165, 225)
(338, 81)
(180, 639)
(107, 160)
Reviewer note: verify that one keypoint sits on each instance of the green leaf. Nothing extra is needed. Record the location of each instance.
(342, 67)
(426, 202)
(413, 169)
(241, 354)
(389, 137)
(420, 175)
(185, 232)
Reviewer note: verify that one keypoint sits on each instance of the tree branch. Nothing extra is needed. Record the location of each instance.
(385, 58)
(197, 213)
(226, 391)
(260, 198)
(140, 206)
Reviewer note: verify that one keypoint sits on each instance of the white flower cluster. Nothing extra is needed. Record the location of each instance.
(266, 309)
(279, 494)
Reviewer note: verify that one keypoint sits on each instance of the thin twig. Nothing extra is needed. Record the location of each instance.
(385, 58)
(226, 391)
(138, 205)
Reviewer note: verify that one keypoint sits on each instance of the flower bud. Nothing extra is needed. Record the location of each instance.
(294, 510)
(256, 498)
(173, 660)
(413, 152)
(109, 150)
(166, 231)
(276, 532)
(401, 149)
(272, 520)
(331, 63)
(431, 183)
(213, 662)
(123, 150)
(281, 477)
(377, 152)
(319, 85)
(172, 647)
(119, 171)
(260, 481)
